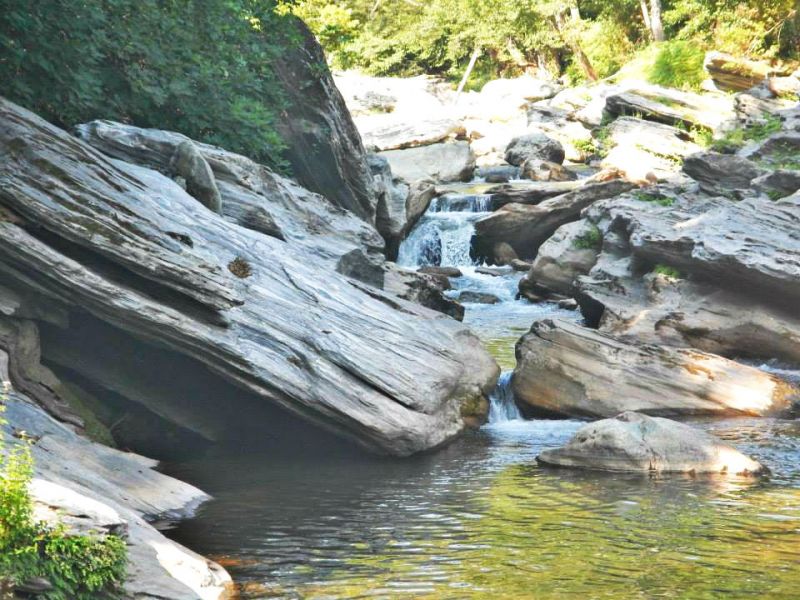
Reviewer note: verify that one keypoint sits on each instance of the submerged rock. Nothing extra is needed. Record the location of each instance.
(566, 369)
(111, 239)
(636, 442)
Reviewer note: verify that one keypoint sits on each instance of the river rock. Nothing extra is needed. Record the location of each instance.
(718, 172)
(391, 217)
(503, 254)
(542, 170)
(673, 107)
(187, 162)
(532, 146)
(440, 162)
(498, 173)
(528, 227)
(563, 126)
(570, 252)
(520, 193)
(324, 148)
(130, 247)
(566, 369)
(734, 74)
(478, 297)
(90, 487)
(736, 265)
(396, 131)
(422, 288)
(778, 184)
(640, 443)
(446, 271)
(252, 195)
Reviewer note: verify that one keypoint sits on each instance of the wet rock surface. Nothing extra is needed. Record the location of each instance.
(639, 443)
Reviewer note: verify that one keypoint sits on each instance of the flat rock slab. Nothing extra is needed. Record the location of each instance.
(566, 369)
(638, 443)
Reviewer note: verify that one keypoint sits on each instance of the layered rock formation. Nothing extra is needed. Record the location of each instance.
(565, 369)
(131, 248)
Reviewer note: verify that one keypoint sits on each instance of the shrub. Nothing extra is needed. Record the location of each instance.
(667, 271)
(589, 240)
(200, 68)
(678, 64)
(78, 567)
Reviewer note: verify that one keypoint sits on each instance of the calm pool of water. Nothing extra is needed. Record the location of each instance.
(480, 519)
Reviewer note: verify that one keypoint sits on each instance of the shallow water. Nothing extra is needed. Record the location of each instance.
(479, 518)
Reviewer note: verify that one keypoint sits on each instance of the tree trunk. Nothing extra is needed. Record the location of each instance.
(655, 21)
(574, 44)
(646, 16)
(472, 60)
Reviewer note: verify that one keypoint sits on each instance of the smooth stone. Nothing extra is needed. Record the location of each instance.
(633, 442)
(478, 297)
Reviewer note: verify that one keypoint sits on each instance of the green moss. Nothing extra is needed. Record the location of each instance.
(667, 271)
(87, 407)
(775, 195)
(656, 198)
(589, 240)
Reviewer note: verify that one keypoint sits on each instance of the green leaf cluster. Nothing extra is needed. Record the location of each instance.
(79, 567)
(201, 67)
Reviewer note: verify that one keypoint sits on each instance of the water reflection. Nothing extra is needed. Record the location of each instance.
(480, 520)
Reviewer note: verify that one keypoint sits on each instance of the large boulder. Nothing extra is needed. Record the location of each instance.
(91, 488)
(570, 252)
(639, 443)
(324, 148)
(396, 131)
(719, 172)
(566, 369)
(527, 227)
(127, 247)
(440, 162)
(252, 195)
(734, 74)
(534, 146)
(523, 193)
(645, 150)
(673, 107)
(690, 270)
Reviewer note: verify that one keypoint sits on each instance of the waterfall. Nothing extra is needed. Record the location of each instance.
(475, 203)
(502, 407)
(440, 238)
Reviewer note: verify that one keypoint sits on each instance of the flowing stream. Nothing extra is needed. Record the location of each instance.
(479, 519)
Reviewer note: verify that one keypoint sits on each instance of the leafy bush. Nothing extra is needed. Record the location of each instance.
(589, 240)
(201, 67)
(667, 271)
(78, 567)
(678, 64)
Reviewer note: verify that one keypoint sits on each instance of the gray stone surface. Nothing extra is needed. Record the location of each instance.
(441, 162)
(566, 369)
(639, 443)
(290, 332)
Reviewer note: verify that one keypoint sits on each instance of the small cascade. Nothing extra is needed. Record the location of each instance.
(502, 407)
(444, 234)
(474, 203)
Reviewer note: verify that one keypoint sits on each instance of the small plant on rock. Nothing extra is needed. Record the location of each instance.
(64, 566)
(667, 271)
(589, 240)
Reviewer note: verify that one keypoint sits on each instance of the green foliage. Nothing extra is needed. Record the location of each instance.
(678, 64)
(78, 567)
(589, 240)
(667, 271)
(739, 136)
(203, 68)
(653, 197)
